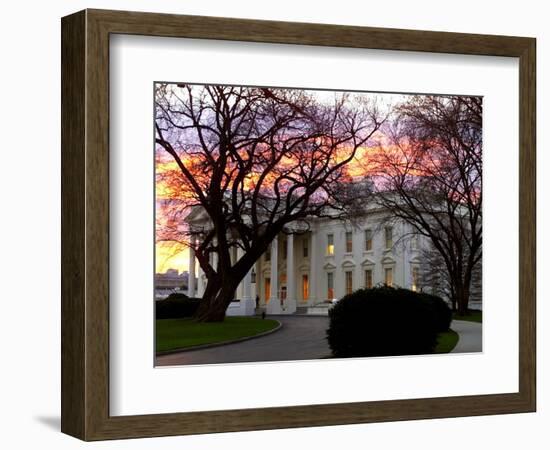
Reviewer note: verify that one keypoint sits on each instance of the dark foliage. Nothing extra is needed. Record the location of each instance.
(443, 313)
(382, 321)
(176, 306)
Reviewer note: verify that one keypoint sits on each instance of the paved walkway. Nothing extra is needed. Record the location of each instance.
(469, 334)
(301, 337)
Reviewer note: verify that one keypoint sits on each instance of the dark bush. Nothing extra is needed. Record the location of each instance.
(176, 306)
(381, 321)
(443, 313)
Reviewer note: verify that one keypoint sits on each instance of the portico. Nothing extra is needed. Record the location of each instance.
(304, 270)
(281, 288)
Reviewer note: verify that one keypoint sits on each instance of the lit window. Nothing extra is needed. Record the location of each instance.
(267, 289)
(415, 279)
(330, 244)
(368, 240)
(305, 248)
(368, 279)
(349, 283)
(388, 277)
(388, 231)
(305, 287)
(330, 285)
(349, 242)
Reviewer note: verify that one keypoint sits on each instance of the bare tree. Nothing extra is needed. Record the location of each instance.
(254, 160)
(430, 174)
(435, 278)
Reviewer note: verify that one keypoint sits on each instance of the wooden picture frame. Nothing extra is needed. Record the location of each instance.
(85, 224)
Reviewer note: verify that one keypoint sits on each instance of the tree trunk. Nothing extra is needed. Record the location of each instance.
(214, 303)
(453, 303)
(220, 290)
(463, 299)
(208, 297)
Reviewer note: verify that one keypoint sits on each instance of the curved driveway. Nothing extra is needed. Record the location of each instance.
(301, 337)
(469, 334)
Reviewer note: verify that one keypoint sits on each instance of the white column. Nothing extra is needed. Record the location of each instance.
(191, 279)
(235, 256)
(247, 287)
(290, 304)
(274, 305)
(215, 261)
(258, 285)
(200, 283)
(247, 305)
(313, 251)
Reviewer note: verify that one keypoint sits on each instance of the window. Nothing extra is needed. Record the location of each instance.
(267, 289)
(368, 240)
(267, 254)
(388, 231)
(285, 249)
(349, 242)
(330, 285)
(253, 276)
(305, 287)
(388, 276)
(368, 278)
(305, 248)
(415, 279)
(349, 282)
(330, 244)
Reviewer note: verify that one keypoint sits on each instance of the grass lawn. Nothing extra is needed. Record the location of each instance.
(475, 315)
(446, 342)
(173, 334)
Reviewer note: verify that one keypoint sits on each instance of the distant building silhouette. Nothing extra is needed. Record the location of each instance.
(169, 282)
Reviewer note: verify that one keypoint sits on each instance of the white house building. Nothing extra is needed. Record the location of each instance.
(307, 271)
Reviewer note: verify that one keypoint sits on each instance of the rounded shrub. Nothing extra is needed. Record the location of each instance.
(443, 313)
(381, 321)
(176, 306)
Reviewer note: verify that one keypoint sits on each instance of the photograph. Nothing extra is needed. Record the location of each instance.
(296, 224)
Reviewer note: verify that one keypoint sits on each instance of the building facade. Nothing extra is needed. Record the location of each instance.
(310, 270)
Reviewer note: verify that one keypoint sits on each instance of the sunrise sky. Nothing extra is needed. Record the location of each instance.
(173, 256)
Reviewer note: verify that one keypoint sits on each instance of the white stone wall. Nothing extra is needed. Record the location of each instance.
(401, 258)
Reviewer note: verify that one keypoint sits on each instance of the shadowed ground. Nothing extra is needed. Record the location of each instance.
(301, 337)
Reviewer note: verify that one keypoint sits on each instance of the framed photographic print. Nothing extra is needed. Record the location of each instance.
(272, 225)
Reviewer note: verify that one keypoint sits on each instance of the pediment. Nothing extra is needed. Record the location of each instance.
(348, 263)
(415, 260)
(329, 266)
(368, 262)
(197, 215)
(388, 260)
